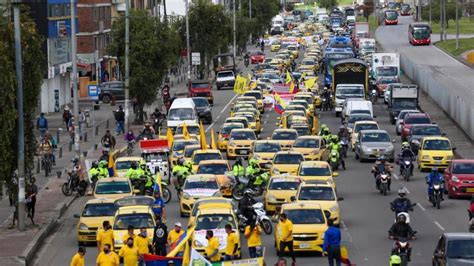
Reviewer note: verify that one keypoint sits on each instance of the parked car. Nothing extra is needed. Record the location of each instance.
(203, 109)
(257, 57)
(418, 132)
(112, 90)
(459, 178)
(371, 144)
(454, 249)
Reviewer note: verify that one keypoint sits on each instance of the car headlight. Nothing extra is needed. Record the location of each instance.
(186, 195)
(231, 143)
(334, 208)
(275, 171)
(425, 157)
(366, 149)
(83, 227)
(455, 179)
(118, 242)
(271, 198)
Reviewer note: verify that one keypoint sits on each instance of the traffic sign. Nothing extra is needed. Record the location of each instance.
(196, 59)
(93, 91)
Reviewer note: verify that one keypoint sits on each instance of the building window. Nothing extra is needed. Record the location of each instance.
(96, 14)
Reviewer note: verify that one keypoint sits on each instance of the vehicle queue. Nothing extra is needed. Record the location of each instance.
(289, 178)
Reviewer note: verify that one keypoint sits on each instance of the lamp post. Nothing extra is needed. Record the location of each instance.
(75, 98)
(127, 63)
(188, 48)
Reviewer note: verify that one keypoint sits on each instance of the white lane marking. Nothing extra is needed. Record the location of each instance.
(396, 177)
(344, 227)
(406, 190)
(220, 114)
(439, 225)
(421, 207)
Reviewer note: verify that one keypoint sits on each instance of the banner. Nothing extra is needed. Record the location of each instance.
(154, 260)
(240, 84)
(281, 88)
(197, 259)
(245, 262)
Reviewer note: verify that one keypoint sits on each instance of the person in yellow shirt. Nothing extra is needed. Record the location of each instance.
(173, 237)
(105, 236)
(212, 249)
(107, 257)
(129, 234)
(142, 241)
(78, 258)
(254, 242)
(232, 244)
(129, 253)
(286, 236)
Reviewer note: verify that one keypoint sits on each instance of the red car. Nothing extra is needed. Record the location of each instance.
(412, 119)
(257, 57)
(459, 178)
(201, 88)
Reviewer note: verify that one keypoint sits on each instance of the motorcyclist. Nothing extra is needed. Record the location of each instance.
(94, 172)
(334, 154)
(471, 209)
(401, 229)
(148, 131)
(46, 147)
(433, 178)
(323, 130)
(382, 166)
(103, 169)
(144, 171)
(189, 166)
(406, 154)
(251, 168)
(237, 168)
(132, 172)
(343, 132)
(245, 206)
(334, 144)
(401, 204)
(157, 113)
(246, 59)
(261, 178)
(180, 171)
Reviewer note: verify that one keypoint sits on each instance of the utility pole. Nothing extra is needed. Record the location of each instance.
(188, 47)
(234, 30)
(445, 22)
(441, 19)
(457, 24)
(77, 144)
(430, 11)
(21, 122)
(127, 64)
(250, 16)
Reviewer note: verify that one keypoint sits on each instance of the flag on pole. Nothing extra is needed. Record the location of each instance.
(288, 77)
(249, 77)
(185, 131)
(240, 83)
(203, 136)
(111, 165)
(292, 88)
(303, 76)
(280, 105)
(169, 136)
(308, 84)
(213, 140)
(197, 259)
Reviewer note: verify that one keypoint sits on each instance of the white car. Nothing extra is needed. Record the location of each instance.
(399, 120)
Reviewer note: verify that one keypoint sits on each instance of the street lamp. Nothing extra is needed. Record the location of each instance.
(188, 48)
(75, 98)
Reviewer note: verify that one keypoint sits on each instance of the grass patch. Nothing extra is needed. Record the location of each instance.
(372, 21)
(465, 26)
(450, 46)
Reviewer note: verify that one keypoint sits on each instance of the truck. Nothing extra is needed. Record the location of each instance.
(361, 30)
(200, 88)
(402, 97)
(385, 65)
(224, 62)
(350, 80)
(277, 25)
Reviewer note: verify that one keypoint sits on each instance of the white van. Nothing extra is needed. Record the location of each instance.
(359, 107)
(182, 111)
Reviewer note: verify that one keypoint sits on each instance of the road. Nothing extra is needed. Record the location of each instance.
(366, 216)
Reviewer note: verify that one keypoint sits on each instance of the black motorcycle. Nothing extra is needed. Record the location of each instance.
(406, 165)
(402, 249)
(241, 183)
(436, 198)
(74, 184)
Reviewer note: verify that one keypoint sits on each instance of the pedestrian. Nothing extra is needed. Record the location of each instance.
(254, 242)
(232, 244)
(67, 116)
(159, 205)
(108, 141)
(120, 120)
(174, 236)
(42, 125)
(31, 192)
(105, 236)
(82, 121)
(130, 234)
(107, 257)
(212, 249)
(160, 236)
(78, 258)
(129, 253)
(142, 241)
(332, 244)
(286, 236)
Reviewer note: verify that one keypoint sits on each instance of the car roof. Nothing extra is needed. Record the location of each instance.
(309, 137)
(242, 130)
(436, 138)
(113, 179)
(375, 131)
(366, 122)
(201, 81)
(458, 236)
(214, 162)
(266, 141)
(301, 205)
(417, 115)
(315, 184)
(289, 152)
(133, 209)
(424, 125)
(201, 176)
(207, 151)
(285, 176)
(314, 163)
(284, 130)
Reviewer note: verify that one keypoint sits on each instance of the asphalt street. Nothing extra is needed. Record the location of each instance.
(366, 216)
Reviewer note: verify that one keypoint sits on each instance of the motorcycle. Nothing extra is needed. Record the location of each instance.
(261, 217)
(246, 62)
(74, 184)
(405, 168)
(334, 160)
(241, 183)
(130, 145)
(382, 183)
(402, 249)
(402, 210)
(344, 146)
(435, 198)
(374, 96)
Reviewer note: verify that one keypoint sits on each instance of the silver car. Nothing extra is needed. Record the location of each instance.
(371, 144)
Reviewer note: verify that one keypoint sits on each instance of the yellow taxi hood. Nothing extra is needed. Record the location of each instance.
(436, 153)
(265, 155)
(282, 194)
(287, 168)
(309, 228)
(96, 222)
(306, 151)
(244, 142)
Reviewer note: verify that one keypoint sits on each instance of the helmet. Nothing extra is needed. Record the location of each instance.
(405, 145)
(180, 161)
(402, 192)
(188, 164)
(248, 192)
(253, 162)
(134, 165)
(334, 138)
(103, 163)
(157, 109)
(434, 170)
(342, 127)
(95, 164)
(323, 126)
(382, 159)
(395, 260)
(402, 218)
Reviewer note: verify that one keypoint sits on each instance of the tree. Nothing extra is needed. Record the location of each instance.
(435, 13)
(154, 47)
(328, 4)
(262, 13)
(33, 69)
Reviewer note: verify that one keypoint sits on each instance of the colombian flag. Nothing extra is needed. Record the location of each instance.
(154, 260)
(280, 105)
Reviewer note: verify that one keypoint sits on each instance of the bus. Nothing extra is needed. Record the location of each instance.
(419, 33)
(391, 17)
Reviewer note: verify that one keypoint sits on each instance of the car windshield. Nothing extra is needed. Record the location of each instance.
(188, 152)
(205, 157)
(249, 117)
(228, 129)
(307, 63)
(387, 71)
(305, 216)
(200, 85)
(283, 184)
(124, 165)
(417, 120)
(214, 221)
(137, 220)
(242, 135)
(426, 131)
(360, 127)
(200, 102)
(354, 118)
(437, 145)
(302, 130)
(255, 94)
(267, 147)
(375, 137)
(201, 184)
(99, 209)
(284, 135)
(461, 249)
(191, 130)
(271, 76)
(225, 74)
(243, 121)
(180, 114)
(405, 104)
(421, 33)
(179, 145)
(158, 156)
(360, 111)
(215, 169)
(258, 53)
(288, 159)
(314, 171)
(308, 100)
(346, 91)
(116, 187)
(463, 168)
(403, 114)
(316, 193)
(306, 143)
(391, 15)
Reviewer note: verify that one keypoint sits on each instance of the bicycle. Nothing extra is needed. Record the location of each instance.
(130, 145)
(47, 164)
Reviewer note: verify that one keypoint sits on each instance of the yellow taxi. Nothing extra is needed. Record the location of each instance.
(214, 219)
(193, 130)
(208, 203)
(294, 50)
(278, 63)
(254, 120)
(240, 119)
(263, 151)
(248, 100)
(239, 107)
(113, 188)
(287, 113)
(197, 187)
(306, 96)
(240, 141)
(135, 211)
(204, 155)
(279, 190)
(189, 150)
(312, 147)
(258, 96)
(224, 133)
(285, 136)
(435, 152)
(324, 195)
(177, 149)
(286, 162)
(275, 47)
(309, 226)
(219, 168)
(357, 127)
(122, 164)
(93, 214)
(285, 59)
(309, 106)
(310, 171)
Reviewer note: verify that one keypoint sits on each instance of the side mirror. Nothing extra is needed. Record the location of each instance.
(77, 216)
(292, 198)
(218, 132)
(340, 198)
(374, 116)
(454, 148)
(335, 174)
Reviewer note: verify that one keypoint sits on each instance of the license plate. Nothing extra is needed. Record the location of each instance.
(304, 245)
(242, 152)
(470, 189)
